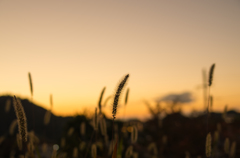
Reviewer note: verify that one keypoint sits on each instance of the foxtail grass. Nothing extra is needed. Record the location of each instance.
(211, 75)
(216, 136)
(126, 97)
(30, 83)
(129, 152)
(126, 101)
(75, 152)
(224, 115)
(103, 126)
(21, 117)
(70, 131)
(164, 139)
(94, 151)
(2, 138)
(54, 154)
(63, 142)
(82, 146)
(44, 147)
(205, 85)
(153, 149)
(187, 154)
(135, 155)
(226, 146)
(114, 155)
(208, 145)
(116, 100)
(31, 90)
(47, 117)
(232, 150)
(117, 95)
(83, 128)
(210, 79)
(134, 134)
(95, 120)
(100, 101)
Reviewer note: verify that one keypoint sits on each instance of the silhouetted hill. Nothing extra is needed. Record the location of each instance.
(35, 116)
(174, 135)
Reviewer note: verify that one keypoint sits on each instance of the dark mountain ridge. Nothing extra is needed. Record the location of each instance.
(35, 120)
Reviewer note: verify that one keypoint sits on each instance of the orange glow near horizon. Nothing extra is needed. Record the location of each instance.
(75, 48)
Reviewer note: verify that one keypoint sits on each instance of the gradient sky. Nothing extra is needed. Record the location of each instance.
(74, 48)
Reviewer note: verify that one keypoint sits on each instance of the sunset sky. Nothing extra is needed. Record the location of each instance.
(75, 48)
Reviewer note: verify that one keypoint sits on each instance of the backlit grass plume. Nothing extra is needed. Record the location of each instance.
(211, 75)
(30, 82)
(226, 146)
(232, 150)
(95, 120)
(117, 95)
(208, 145)
(47, 117)
(21, 117)
(100, 100)
(129, 152)
(126, 98)
(94, 151)
(48, 113)
(134, 134)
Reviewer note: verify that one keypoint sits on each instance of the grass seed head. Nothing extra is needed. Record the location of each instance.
(103, 126)
(83, 128)
(208, 145)
(129, 152)
(30, 83)
(232, 150)
(75, 152)
(226, 146)
(100, 101)
(94, 151)
(134, 134)
(21, 117)
(211, 75)
(47, 117)
(126, 97)
(117, 95)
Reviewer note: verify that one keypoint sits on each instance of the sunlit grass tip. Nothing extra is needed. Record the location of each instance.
(21, 117)
(226, 146)
(134, 134)
(126, 97)
(208, 145)
(117, 95)
(100, 101)
(30, 83)
(211, 75)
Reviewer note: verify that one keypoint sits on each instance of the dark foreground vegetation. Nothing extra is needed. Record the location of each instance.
(173, 136)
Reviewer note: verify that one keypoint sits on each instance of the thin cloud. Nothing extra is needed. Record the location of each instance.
(185, 97)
